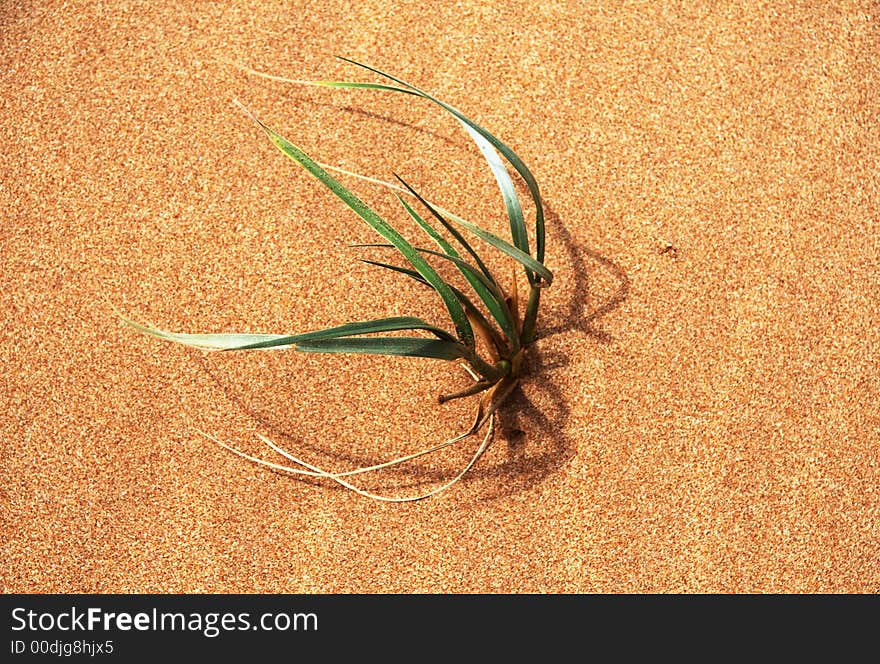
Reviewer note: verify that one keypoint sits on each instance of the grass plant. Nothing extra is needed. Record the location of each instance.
(489, 334)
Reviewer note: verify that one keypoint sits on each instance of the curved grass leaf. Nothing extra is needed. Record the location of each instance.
(460, 263)
(492, 299)
(437, 214)
(514, 209)
(353, 329)
(470, 308)
(403, 346)
(509, 154)
(280, 341)
(402, 270)
(503, 245)
(206, 341)
(453, 306)
(508, 192)
(329, 84)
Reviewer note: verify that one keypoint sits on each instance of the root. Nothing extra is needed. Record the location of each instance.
(484, 416)
(476, 388)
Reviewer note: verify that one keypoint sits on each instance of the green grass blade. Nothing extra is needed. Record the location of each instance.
(353, 329)
(508, 191)
(441, 214)
(503, 245)
(466, 302)
(492, 299)
(280, 341)
(460, 263)
(402, 270)
(509, 154)
(453, 306)
(439, 240)
(403, 346)
(437, 214)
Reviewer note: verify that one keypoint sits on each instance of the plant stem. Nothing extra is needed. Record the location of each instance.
(531, 317)
(491, 373)
(476, 388)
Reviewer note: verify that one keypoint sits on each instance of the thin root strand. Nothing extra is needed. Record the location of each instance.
(495, 394)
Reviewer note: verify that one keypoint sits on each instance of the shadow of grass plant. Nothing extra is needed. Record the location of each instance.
(504, 335)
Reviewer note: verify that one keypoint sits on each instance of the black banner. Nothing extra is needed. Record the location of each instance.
(397, 627)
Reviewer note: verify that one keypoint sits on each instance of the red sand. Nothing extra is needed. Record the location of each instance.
(705, 414)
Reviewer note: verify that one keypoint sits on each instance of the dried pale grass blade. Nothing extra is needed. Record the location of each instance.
(365, 178)
(473, 374)
(378, 466)
(319, 473)
(326, 84)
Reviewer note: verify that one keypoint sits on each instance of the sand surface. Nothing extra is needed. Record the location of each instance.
(702, 413)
